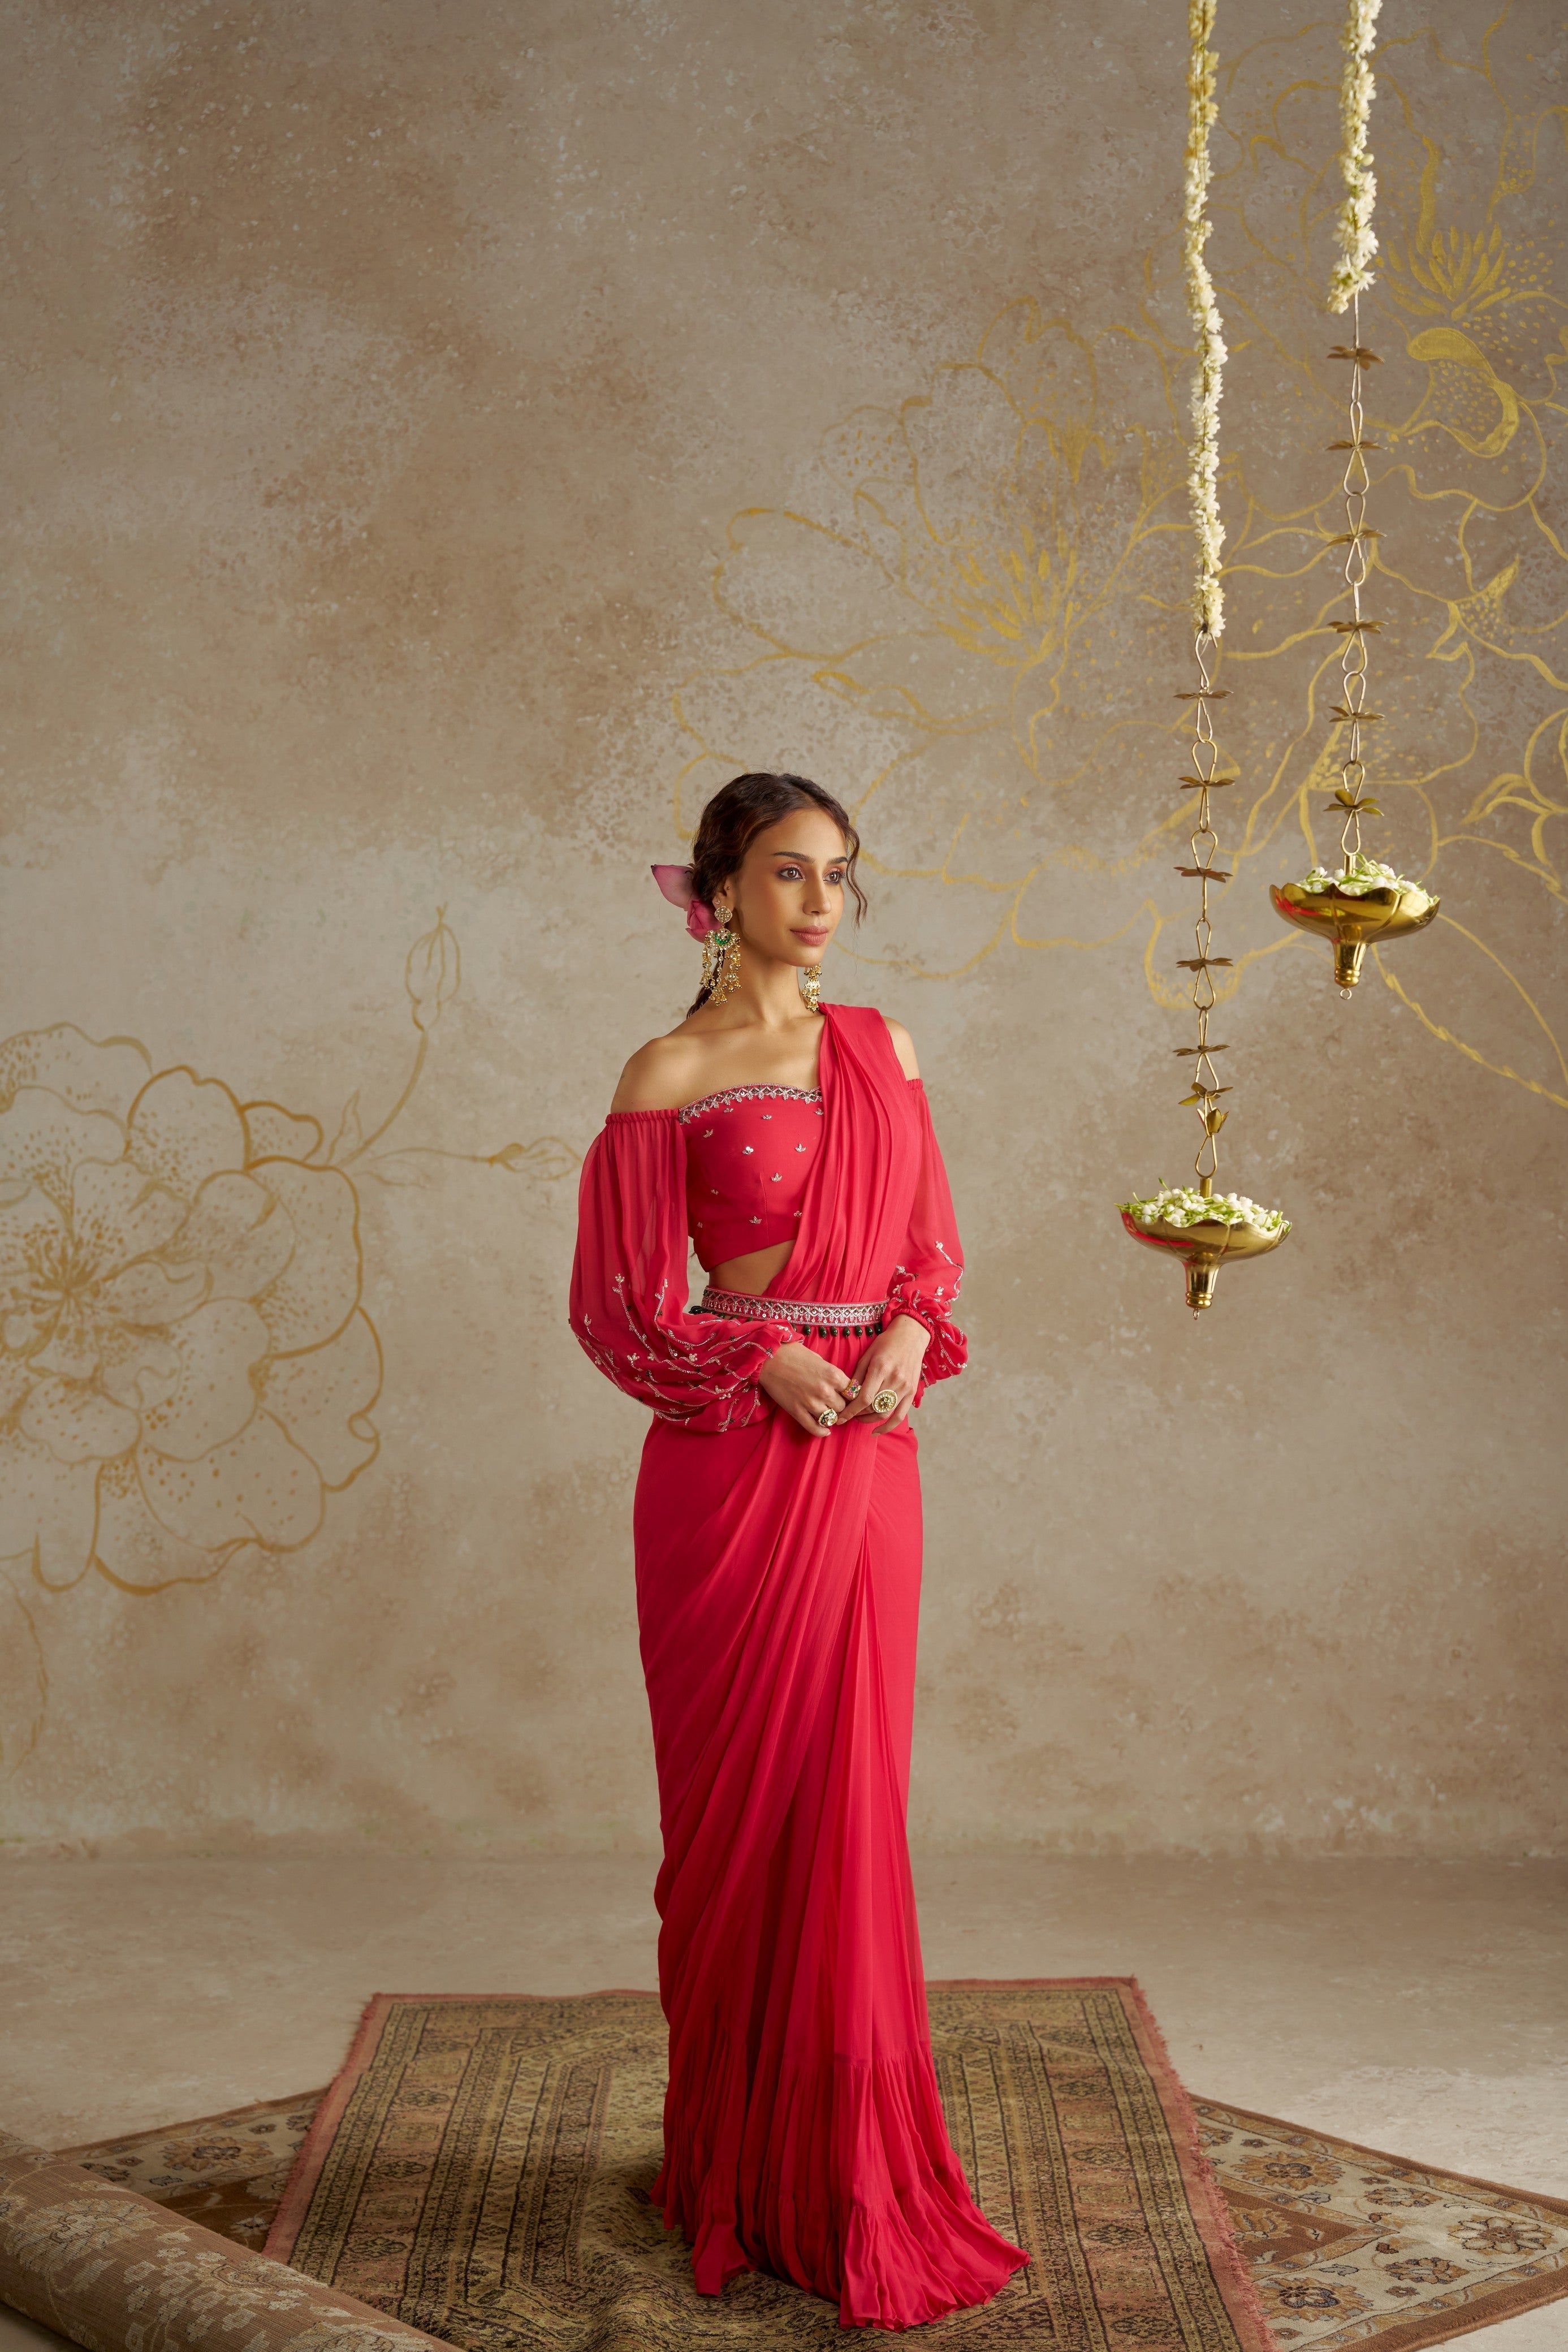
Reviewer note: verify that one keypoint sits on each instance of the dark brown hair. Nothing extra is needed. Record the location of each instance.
(747, 806)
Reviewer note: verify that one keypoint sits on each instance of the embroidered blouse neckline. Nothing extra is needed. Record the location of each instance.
(759, 1092)
(682, 1112)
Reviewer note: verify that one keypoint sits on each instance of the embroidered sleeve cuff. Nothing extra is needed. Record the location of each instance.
(949, 1351)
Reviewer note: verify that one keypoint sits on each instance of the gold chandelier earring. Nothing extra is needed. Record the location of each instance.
(812, 987)
(721, 959)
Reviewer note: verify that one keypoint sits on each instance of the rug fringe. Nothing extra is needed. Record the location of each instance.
(1232, 2262)
(302, 2174)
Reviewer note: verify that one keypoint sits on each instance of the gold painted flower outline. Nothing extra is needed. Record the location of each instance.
(186, 1366)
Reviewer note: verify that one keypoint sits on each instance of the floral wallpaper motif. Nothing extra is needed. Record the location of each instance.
(187, 1371)
(187, 1368)
(981, 604)
(988, 563)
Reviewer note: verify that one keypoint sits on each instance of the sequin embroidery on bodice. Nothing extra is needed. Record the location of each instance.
(748, 1152)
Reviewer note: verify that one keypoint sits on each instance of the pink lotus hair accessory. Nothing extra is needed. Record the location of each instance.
(678, 884)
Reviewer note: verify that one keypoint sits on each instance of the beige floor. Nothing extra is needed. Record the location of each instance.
(1420, 2008)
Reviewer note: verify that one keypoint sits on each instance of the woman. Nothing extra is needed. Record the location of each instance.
(777, 1541)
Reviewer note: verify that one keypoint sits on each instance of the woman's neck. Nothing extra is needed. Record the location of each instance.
(768, 997)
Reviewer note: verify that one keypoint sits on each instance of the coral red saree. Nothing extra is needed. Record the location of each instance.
(778, 1590)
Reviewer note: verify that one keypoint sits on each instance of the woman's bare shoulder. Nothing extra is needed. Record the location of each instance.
(904, 1046)
(661, 1075)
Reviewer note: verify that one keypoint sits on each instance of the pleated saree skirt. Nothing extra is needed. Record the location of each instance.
(777, 1591)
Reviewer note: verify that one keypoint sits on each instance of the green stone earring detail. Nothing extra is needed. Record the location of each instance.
(721, 960)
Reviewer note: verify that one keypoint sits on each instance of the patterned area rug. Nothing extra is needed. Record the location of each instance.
(228, 2172)
(1347, 2246)
(485, 2164)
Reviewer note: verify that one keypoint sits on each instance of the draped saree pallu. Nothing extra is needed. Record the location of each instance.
(777, 1593)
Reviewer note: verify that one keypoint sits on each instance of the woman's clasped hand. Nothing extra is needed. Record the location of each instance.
(893, 1362)
(806, 1386)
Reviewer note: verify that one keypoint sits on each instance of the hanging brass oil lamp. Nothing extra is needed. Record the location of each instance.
(1366, 903)
(1205, 1247)
(1205, 1229)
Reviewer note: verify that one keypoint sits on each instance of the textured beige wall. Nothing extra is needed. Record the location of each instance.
(445, 439)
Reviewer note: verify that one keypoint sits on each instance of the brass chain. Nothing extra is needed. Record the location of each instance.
(1349, 801)
(1206, 1088)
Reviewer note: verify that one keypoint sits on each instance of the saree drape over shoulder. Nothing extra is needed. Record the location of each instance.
(778, 1590)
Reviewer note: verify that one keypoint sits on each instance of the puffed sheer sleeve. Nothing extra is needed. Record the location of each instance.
(629, 1285)
(926, 1282)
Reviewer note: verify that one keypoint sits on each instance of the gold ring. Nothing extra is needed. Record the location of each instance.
(853, 1391)
(884, 1400)
(827, 1417)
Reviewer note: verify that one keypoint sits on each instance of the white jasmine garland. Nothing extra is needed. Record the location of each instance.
(1183, 1204)
(1352, 223)
(1357, 877)
(1203, 467)
(1176, 1207)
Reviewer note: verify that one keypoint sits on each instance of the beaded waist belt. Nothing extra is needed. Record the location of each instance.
(806, 1314)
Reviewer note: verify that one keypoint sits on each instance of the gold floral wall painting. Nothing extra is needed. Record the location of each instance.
(187, 1371)
(974, 605)
(973, 608)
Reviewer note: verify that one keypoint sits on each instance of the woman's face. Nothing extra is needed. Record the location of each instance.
(790, 891)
